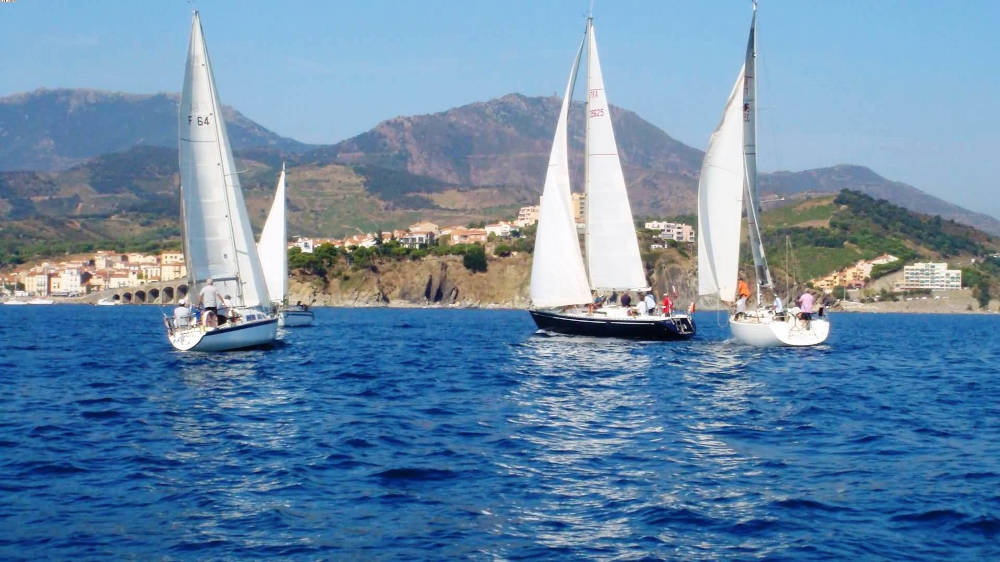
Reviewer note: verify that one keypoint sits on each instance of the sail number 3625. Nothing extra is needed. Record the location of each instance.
(200, 120)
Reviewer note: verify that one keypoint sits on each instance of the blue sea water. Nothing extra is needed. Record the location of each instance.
(393, 434)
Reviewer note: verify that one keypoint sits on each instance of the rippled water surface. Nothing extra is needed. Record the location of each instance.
(456, 434)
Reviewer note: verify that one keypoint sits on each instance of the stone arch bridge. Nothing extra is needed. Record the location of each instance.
(163, 292)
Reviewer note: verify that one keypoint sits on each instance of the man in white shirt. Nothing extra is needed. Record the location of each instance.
(208, 300)
(182, 314)
(650, 303)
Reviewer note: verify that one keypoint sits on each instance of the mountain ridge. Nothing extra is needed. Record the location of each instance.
(493, 150)
(55, 129)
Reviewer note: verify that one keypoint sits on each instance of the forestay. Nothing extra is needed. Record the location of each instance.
(219, 242)
(558, 277)
(613, 260)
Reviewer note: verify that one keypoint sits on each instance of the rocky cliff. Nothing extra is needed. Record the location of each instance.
(444, 281)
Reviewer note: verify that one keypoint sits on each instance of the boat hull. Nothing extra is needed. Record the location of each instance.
(662, 328)
(768, 331)
(291, 318)
(256, 333)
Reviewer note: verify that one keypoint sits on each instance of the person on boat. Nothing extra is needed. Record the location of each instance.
(643, 308)
(228, 312)
(650, 303)
(806, 301)
(182, 315)
(668, 305)
(625, 300)
(742, 295)
(594, 304)
(208, 300)
(779, 308)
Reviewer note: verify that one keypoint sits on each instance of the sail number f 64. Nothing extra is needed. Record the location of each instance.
(200, 120)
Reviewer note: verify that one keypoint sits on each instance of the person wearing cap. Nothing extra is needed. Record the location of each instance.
(182, 314)
(208, 299)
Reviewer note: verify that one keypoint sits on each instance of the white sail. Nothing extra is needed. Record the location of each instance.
(720, 202)
(218, 239)
(613, 260)
(273, 245)
(558, 277)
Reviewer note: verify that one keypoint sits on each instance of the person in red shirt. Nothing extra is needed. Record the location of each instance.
(668, 305)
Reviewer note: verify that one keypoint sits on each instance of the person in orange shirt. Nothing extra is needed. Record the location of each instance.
(743, 294)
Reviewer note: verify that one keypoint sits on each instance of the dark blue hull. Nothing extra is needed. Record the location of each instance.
(663, 329)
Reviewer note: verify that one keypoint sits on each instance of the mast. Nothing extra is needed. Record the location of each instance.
(586, 153)
(750, 159)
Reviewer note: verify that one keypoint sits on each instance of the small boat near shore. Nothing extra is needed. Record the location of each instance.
(273, 251)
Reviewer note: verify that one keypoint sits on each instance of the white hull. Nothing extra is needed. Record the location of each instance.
(764, 330)
(41, 301)
(226, 337)
(292, 318)
(15, 302)
(107, 301)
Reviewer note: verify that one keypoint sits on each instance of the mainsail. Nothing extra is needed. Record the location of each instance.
(218, 239)
(273, 245)
(613, 260)
(720, 202)
(558, 277)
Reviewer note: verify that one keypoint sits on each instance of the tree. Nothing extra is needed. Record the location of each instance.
(502, 250)
(982, 293)
(475, 258)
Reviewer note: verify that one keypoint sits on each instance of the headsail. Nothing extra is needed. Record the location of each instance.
(750, 155)
(218, 238)
(720, 202)
(558, 277)
(613, 260)
(273, 245)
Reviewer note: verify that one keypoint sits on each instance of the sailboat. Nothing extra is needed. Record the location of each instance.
(218, 240)
(728, 180)
(273, 250)
(561, 281)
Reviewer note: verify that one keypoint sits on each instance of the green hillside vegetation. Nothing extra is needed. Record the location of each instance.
(862, 227)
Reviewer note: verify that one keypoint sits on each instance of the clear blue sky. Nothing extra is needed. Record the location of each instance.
(908, 88)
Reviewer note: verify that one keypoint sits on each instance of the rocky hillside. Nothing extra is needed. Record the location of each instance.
(808, 239)
(47, 130)
(476, 162)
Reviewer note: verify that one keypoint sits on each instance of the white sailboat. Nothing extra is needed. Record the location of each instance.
(273, 251)
(728, 180)
(561, 282)
(218, 240)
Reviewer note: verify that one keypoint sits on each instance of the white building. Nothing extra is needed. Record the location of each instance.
(69, 281)
(930, 275)
(304, 244)
(527, 216)
(501, 229)
(672, 230)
